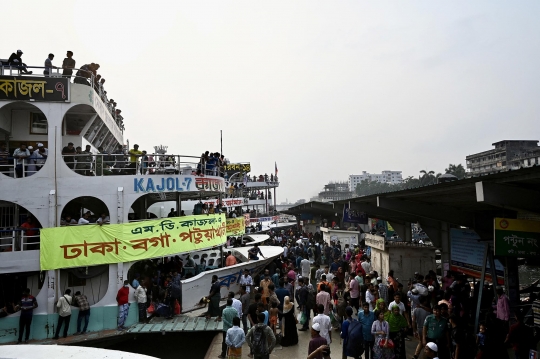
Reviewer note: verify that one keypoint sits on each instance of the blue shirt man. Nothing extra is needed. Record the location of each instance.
(366, 318)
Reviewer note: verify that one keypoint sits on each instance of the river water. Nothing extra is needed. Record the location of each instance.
(193, 345)
(528, 274)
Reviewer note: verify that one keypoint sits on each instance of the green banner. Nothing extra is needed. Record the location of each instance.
(88, 245)
(516, 238)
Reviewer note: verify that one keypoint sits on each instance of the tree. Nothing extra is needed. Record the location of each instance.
(456, 170)
(427, 178)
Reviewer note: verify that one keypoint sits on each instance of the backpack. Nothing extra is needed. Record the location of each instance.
(355, 339)
(311, 300)
(341, 305)
(259, 343)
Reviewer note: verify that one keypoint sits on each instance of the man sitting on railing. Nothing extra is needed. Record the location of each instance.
(16, 61)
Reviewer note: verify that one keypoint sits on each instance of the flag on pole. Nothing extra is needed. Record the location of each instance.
(275, 170)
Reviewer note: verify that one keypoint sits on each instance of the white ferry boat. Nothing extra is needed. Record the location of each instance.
(52, 186)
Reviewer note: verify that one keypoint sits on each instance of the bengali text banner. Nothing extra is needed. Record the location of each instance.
(88, 245)
(236, 226)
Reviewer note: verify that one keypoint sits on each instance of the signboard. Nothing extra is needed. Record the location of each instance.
(236, 226)
(233, 168)
(154, 184)
(81, 246)
(27, 88)
(374, 241)
(228, 202)
(354, 216)
(516, 237)
(467, 254)
(536, 313)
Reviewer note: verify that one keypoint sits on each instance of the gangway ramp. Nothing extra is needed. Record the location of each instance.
(180, 323)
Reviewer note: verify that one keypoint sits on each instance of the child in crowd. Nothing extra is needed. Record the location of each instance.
(274, 316)
(480, 340)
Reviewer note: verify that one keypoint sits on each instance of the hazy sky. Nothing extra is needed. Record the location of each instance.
(324, 88)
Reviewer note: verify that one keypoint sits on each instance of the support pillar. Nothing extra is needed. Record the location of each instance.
(53, 218)
(120, 205)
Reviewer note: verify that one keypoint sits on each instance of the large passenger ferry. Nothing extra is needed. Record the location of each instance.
(64, 163)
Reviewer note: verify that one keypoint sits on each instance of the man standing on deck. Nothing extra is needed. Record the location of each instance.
(28, 304)
(81, 301)
(246, 280)
(68, 65)
(141, 297)
(64, 313)
(228, 314)
(134, 155)
(122, 298)
(261, 339)
(245, 299)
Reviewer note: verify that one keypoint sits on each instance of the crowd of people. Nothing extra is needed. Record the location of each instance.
(27, 160)
(333, 292)
(336, 289)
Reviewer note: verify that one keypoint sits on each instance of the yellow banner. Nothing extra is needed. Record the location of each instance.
(236, 226)
(88, 245)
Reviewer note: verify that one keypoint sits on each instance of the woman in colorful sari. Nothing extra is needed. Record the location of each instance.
(381, 331)
(288, 326)
(398, 324)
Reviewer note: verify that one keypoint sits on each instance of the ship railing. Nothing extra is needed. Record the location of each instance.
(27, 168)
(12, 240)
(103, 164)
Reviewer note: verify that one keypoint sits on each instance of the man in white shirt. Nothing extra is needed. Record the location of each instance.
(304, 264)
(104, 219)
(246, 280)
(140, 296)
(324, 324)
(285, 250)
(370, 298)
(64, 313)
(366, 265)
(236, 304)
(84, 219)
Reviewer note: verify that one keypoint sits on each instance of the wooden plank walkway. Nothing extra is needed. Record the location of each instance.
(180, 323)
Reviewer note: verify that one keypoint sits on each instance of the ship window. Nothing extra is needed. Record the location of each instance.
(74, 281)
(38, 124)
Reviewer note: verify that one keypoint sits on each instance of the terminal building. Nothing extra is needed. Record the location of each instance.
(505, 156)
(391, 177)
(335, 191)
